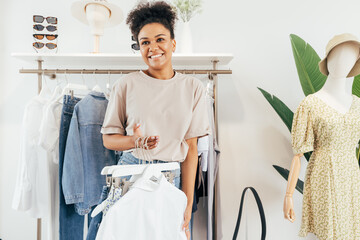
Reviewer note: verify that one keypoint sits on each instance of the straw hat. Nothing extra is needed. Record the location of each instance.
(78, 10)
(335, 41)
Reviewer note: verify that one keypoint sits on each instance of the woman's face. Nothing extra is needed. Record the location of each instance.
(156, 46)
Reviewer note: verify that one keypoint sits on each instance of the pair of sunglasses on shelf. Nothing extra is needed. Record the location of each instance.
(40, 19)
(135, 46)
(50, 28)
(40, 45)
(48, 36)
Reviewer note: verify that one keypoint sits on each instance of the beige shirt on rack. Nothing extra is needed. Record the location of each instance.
(175, 109)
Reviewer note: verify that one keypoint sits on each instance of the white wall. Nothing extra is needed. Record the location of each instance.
(252, 136)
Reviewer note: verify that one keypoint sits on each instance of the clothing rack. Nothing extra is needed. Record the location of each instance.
(212, 75)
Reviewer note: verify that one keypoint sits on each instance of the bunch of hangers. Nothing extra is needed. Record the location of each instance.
(83, 89)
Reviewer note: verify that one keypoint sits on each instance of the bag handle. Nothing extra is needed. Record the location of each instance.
(261, 211)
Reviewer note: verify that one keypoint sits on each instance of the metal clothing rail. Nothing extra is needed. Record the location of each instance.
(212, 74)
(114, 71)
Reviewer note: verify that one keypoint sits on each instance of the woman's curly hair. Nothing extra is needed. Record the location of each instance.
(151, 12)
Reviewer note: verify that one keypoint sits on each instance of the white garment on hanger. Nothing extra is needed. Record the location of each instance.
(150, 210)
(34, 190)
(203, 150)
(30, 189)
(213, 163)
(49, 140)
(50, 129)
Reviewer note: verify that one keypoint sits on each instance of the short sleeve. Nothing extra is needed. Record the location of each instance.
(302, 133)
(199, 125)
(115, 116)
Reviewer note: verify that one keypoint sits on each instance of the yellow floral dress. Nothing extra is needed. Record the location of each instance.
(331, 202)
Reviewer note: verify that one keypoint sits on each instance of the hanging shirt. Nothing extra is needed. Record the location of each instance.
(213, 163)
(150, 210)
(85, 154)
(32, 185)
(50, 129)
(203, 151)
(175, 109)
(49, 140)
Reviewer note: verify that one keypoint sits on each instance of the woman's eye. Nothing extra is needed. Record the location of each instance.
(145, 43)
(160, 39)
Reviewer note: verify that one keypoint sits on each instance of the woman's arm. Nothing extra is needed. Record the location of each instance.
(188, 174)
(120, 142)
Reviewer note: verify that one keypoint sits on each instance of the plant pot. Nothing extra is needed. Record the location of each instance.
(186, 39)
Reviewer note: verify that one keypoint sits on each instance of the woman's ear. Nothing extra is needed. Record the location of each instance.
(174, 45)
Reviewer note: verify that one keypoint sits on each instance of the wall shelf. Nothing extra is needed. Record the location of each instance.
(123, 60)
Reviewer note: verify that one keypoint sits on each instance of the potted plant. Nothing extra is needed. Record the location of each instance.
(187, 9)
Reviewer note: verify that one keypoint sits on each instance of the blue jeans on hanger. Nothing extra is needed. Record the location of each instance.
(95, 221)
(127, 158)
(71, 224)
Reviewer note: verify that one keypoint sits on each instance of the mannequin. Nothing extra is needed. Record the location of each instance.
(339, 62)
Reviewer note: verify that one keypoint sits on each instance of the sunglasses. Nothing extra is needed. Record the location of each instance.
(40, 27)
(40, 45)
(40, 19)
(135, 46)
(48, 36)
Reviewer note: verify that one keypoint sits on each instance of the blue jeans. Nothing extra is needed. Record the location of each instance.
(71, 223)
(127, 158)
(95, 221)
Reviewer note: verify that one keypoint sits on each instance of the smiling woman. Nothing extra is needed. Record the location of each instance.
(160, 111)
(153, 28)
(156, 47)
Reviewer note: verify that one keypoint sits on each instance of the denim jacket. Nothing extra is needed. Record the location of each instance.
(85, 154)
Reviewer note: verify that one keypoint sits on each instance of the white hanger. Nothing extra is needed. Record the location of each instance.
(45, 91)
(96, 88)
(57, 92)
(126, 170)
(136, 170)
(72, 86)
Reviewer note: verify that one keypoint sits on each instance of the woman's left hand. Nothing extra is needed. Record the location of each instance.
(187, 218)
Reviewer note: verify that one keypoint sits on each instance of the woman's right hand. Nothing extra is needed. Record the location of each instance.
(152, 141)
(289, 213)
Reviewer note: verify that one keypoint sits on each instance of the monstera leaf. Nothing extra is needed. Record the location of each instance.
(280, 108)
(283, 111)
(356, 92)
(307, 60)
(356, 86)
(285, 174)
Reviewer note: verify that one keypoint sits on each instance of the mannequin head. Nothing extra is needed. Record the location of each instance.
(342, 59)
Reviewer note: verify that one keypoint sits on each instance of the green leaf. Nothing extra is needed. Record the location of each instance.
(356, 86)
(306, 60)
(280, 108)
(307, 155)
(285, 173)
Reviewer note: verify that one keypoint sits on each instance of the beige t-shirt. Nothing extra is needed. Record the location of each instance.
(175, 109)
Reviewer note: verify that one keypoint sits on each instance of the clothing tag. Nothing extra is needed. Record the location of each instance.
(169, 176)
(108, 181)
(154, 179)
(126, 187)
(117, 182)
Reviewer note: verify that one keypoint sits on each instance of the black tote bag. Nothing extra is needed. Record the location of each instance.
(261, 211)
